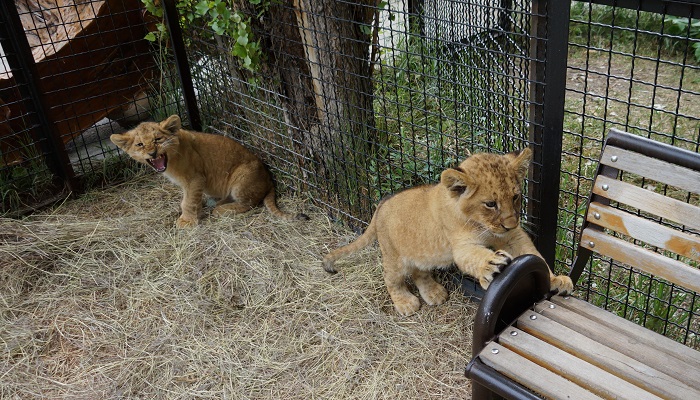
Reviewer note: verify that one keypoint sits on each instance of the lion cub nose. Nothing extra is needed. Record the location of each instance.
(153, 154)
(510, 223)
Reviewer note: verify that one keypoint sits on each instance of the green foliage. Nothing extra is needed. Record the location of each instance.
(222, 19)
(685, 28)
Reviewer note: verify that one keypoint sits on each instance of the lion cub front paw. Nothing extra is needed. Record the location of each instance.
(494, 265)
(561, 284)
(185, 222)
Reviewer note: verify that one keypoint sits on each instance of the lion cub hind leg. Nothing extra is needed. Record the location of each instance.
(231, 209)
(430, 290)
(404, 301)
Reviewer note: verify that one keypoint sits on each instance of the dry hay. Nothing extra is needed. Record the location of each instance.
(101, 297)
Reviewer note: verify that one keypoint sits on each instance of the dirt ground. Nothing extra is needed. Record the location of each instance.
(101, 297)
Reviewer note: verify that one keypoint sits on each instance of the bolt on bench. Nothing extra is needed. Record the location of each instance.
(642, 242)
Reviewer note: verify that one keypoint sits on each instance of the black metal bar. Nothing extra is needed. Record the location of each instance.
(25, 73)
(550, 70)
(654, 149)
(515, 290)
(492, 381)
(523, 283)
(683, 8)
(183, 67)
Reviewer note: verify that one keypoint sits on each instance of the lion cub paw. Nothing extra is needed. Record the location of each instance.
(493, 266)
(184, 222)
(407, 305)
(435, 296)
(561, 284)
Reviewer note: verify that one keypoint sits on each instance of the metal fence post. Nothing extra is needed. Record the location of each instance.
(551, 32)
(23, 67)
(183, 67)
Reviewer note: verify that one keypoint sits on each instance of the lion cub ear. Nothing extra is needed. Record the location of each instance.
(456, 181)
(172, 124)
(521, 162)
(122, 140)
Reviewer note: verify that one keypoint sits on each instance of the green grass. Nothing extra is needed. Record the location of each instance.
(24, 182)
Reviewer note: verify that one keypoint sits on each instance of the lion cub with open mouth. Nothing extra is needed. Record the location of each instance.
(471, 218)
(202, 163)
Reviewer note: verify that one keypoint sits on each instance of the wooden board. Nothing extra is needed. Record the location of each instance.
(652, 168)
(569, 366)
(635, 256)
(648, 231)
(538, 379)
(627, 328)
(606, 358)
(641, 344)
(654, 203)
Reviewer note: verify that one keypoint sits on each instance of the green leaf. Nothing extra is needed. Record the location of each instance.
(150, 36)
(202, 7)
(217, 28)
(239, 51)
(242, 40)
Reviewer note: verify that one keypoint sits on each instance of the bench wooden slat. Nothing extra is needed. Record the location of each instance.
(609, 359)
(628, 328)
(654, 203)
(626, 342)
(538, 379)
(656, 264)
(652, 168)
(650, 232)
(584, 374)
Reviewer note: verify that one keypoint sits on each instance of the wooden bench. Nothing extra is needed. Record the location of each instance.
(566, 348)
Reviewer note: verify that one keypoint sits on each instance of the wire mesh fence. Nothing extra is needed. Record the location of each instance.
(633, 68)
(73, 73)
(349, 101)
(391, 109)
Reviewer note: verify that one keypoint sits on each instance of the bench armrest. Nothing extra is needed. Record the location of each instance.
(521, 284)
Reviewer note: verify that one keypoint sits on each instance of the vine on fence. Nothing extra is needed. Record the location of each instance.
(222, 18)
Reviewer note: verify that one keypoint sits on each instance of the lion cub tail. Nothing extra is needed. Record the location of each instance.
(363, 241)
(271, 203)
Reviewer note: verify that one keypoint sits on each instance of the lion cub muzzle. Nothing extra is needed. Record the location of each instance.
(160, 163)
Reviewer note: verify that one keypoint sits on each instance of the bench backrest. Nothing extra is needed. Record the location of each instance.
(651, 224)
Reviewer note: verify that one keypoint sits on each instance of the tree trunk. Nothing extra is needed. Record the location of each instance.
(320, 51)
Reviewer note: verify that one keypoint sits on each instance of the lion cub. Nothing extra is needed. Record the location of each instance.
(202, 163)
(471, 218)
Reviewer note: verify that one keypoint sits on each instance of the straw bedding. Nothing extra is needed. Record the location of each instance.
(101, 297)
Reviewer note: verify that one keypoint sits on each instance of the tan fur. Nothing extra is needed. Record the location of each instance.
(202, 163)
(471, 218)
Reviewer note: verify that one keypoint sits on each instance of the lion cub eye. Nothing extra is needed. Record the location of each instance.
(490, 204)
(139, 144)
(158, 139)
(516, 198)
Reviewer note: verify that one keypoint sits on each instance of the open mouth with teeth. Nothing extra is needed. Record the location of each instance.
(159, 163)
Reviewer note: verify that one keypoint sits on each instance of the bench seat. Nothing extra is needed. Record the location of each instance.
(592, 353)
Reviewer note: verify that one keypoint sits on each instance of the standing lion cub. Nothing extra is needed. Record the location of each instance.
(202, 163)
(471, 218)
